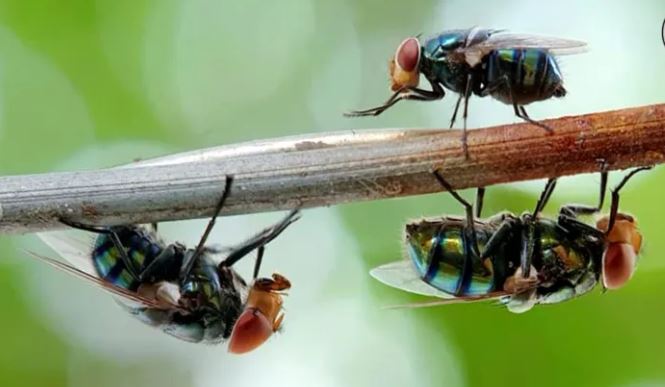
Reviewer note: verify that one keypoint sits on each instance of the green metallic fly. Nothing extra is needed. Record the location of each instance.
(187, 292)
(521, 260)
(516, 69)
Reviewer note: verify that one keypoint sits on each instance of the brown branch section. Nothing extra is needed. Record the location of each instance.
(623, 138)
(331, 168)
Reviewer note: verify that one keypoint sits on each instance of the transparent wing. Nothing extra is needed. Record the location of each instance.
(74, 247)
(401, 275)
(456, 300)
(115, 290)
(557, 46)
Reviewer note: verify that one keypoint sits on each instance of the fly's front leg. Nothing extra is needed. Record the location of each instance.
(545, 196)
(615, 197)
(408, 93)
(574, 226)
(261, 239)
(575, 210)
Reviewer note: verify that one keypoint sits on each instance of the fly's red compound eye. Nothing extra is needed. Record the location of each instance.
(407, 56)
(250, 331)
(618, 264)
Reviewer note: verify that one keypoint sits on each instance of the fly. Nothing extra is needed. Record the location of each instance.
(516, 69)
(519, 260)
(181, 290)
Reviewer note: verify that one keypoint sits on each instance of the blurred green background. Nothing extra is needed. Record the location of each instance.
(86, 84)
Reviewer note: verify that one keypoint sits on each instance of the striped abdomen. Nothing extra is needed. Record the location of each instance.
(439, 250)
(533, 75)
(141, 246)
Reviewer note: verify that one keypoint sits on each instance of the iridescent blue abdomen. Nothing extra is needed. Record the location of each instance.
(141, 247)
(438, 251)
(533, 75)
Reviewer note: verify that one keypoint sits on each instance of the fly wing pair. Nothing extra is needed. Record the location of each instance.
(76, 252)
(475, 52)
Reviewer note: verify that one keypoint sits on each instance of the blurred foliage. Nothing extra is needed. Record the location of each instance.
(80, 75)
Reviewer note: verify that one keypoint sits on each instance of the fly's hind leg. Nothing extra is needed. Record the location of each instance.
(520, 111)
(468, 208)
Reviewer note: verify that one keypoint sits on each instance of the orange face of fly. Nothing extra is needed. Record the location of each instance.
(624, 242)
(262, 314)
(404, 68)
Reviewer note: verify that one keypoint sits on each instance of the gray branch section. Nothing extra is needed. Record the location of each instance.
(304, 171)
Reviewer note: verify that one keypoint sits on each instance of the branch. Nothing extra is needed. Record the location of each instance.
(325, 169)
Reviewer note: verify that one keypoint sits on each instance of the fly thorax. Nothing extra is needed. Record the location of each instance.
(453, 75)
(198, 296)
(200, 291)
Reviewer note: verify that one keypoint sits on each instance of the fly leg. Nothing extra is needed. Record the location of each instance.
(615, 197)
(523, 115)
(408, 93)
(527, 248)
(480, 195)
(470, 228)
(520, 282)
(259, 259)
(261, 239)
(465, 97)
(468, 208)
(520, 111)
(165, 267)
(544, 196)
(467, 94)
(190, 258)
(528, 231)
(503, 233)
(575, 210)
(129, 264)
(454, 117)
